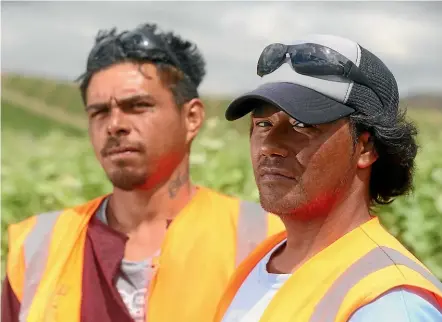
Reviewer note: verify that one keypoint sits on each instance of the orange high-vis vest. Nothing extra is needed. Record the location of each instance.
(211, 236)
(333, 284)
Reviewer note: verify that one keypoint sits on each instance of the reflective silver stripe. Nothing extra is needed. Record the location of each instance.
(375, 260)
(36, 251)
(252, 228)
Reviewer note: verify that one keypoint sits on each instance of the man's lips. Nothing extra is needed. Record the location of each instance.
(267, 173)
(121, 150)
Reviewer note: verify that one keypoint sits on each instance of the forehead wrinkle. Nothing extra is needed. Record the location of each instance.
(126, 81)
(118, 93)
(124, 95)
(132, 98)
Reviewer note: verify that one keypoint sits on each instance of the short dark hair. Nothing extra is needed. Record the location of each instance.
(183, 83)
(394, 140)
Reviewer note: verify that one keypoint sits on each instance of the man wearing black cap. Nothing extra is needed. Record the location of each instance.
(328, 142)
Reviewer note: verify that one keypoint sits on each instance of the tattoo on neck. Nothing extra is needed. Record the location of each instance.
(177, 182)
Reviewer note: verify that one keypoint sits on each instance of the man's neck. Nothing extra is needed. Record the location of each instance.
(129, 211)
(307, 237)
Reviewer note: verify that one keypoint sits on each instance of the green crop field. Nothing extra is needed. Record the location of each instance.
(48, 164)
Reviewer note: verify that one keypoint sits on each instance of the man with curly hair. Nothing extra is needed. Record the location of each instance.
(158, 247)
(329, 142)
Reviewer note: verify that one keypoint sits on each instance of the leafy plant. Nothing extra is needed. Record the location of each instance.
(47, 166)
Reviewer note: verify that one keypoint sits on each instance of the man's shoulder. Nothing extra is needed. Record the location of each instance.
(250, 212)
(51, 215)
(400, 304)
(229, 200)
(215, 193)
(224, 196)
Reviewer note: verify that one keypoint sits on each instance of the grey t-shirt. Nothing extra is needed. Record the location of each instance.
(134, 278)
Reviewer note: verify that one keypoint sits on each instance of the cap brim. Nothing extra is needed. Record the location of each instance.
(301, 103)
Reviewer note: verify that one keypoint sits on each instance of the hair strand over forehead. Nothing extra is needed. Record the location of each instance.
(182, 83)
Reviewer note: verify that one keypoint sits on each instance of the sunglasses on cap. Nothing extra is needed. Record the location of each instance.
(136, 41)
(311, 59)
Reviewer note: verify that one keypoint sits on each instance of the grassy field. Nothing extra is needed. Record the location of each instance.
(48, 164)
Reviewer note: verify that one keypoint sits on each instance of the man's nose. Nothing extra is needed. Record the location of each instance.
(273, 150)
(273, 144)
(118, 123)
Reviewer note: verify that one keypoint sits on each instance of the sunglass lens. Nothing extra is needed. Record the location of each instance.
(271, 58)
(314, 60)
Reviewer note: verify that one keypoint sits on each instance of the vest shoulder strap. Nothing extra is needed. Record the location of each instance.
(29, 244)
(41, 250)
(251, 230)
(38, 238)
(252, 222)
(375, 260)
(35, 252)
(15, 265)
(28, 239)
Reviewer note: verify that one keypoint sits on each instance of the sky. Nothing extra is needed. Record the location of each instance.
(53, 39)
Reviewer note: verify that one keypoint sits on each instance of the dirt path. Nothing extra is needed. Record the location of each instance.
(34, 105)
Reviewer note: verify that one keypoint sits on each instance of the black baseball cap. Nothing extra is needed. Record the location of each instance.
(318, 100)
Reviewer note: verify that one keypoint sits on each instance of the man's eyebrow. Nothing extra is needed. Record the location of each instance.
(96, 106)
(121, 101)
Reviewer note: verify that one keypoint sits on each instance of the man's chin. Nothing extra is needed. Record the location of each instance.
(277, 205)
(127, 181)
(280, 200)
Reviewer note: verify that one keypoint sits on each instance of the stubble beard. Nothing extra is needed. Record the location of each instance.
(297, 203)
(126, 179)
(279, 202)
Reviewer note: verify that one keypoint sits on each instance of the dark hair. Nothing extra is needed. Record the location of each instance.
(394, 140)
(393, 136)
(183, 83)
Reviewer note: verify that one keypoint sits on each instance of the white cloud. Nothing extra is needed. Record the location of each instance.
(54, 37)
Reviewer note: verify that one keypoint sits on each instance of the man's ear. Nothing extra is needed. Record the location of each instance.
(193, 113)
(367, 151)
